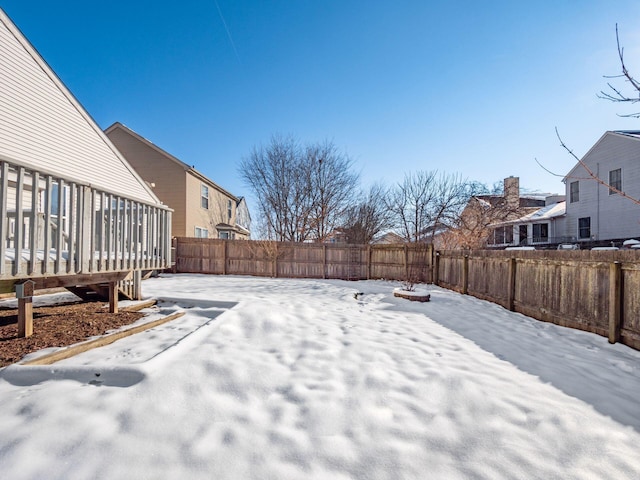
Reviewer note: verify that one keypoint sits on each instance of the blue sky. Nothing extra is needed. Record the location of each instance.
(467, 87)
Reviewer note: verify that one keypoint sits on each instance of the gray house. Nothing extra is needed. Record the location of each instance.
(597, 210)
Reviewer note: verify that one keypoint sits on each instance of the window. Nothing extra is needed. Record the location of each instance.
(229, 209)
(584, 227)
(574, 192)
(523, 234)
(202, 232)
(226, 235)
(502, 235)
(204, 197)
(615, 181)
(540, 232)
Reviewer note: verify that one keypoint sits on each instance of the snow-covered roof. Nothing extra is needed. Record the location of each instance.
(545, 213)
(630, 133)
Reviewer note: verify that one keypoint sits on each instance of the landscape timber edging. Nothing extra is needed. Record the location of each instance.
(98, 342)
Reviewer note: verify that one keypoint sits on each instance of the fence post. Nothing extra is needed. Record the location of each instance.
(615, 301)
(324, 261)
(436, 269)
(368, 262)
(511, 294)
(465, 274)
(406, 261)
(275, 262)
(224, 257)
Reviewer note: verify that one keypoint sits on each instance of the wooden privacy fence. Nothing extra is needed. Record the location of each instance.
(303, 260)
(595, 291)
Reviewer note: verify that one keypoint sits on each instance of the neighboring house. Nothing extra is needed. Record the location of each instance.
(73, 211)
(338, 235)
(596, 214)
(243, 219)
(201, 207)
(389, 238)
(489, 220)
(543, 227)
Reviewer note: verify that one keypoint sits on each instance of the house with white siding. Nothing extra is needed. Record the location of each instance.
(603, 191)
(73, 211)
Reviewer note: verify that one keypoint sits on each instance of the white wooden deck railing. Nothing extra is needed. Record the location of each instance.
(57, 226)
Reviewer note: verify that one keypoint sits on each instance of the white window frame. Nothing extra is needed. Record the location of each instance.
(540, 227)
(574, 197)
(615, 183)
(580, 237)
(204, 196)
(201, 232)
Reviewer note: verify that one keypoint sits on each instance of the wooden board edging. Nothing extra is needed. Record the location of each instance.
(98, 342)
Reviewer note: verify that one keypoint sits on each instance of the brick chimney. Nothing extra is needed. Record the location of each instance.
(512, 192)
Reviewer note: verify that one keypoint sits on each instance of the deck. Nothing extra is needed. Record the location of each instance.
(61, 232)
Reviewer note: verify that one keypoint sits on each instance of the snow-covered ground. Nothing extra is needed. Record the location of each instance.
(304, 379)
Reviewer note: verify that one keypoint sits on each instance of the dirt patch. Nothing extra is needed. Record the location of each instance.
(58, 326)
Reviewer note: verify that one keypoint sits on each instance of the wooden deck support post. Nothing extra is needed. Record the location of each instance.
(137, 285)
(615, 301)
(24, 293)
(113, 297)
(25, 317)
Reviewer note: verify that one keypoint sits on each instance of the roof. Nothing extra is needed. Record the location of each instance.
(188, 168)
(629, 133)
(545, 213)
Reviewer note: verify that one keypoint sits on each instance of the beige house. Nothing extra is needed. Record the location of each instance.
(201, 207)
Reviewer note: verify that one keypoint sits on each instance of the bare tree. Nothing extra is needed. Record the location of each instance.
(332, 185)
(424, 203)
(615, 94)
(274, 173)
(301, 191)
(368, 217)
(408, 203)
(452, 195)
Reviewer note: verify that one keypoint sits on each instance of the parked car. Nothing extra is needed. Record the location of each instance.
(568, 246)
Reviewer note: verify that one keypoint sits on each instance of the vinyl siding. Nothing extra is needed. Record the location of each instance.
(42, 126)
(168, 176)
(216, 213)
(612, 216)
(176, 183)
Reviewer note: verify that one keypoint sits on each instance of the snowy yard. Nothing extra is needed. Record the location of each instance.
(299, 379)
